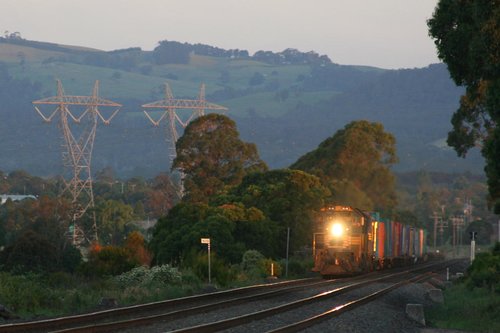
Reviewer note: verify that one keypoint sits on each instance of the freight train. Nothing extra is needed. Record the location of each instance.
(349, 241)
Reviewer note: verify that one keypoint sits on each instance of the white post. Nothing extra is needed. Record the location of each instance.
(287, 247)
(272, 269)
(207, 241)
(472, 250)
(209, 270)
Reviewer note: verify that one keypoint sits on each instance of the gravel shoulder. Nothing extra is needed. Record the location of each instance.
(387, 314)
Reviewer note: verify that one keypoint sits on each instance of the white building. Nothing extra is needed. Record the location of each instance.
(14, 197)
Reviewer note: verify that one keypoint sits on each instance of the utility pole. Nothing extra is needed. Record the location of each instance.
(439, 223)
(78, 146)
(287, 250)
(436, 218)
(457, 222)
(473, 235)
(169, 105)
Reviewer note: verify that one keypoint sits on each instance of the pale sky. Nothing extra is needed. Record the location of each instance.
(381, 33)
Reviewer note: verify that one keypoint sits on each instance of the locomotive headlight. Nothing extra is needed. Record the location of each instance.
(337, 229)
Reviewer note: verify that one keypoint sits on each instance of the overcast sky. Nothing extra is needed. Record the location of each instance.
(381, 33)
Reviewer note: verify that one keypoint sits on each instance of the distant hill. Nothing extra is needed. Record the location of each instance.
(285, 102)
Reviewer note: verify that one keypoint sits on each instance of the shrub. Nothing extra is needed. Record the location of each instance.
(71, 259)
(298, 267)
(162, 275)
(30, 253)
(25, 294)
(133, 277)
(221, 273)
(255, 266)
(485, 271)
(110, 260)
(251, 260)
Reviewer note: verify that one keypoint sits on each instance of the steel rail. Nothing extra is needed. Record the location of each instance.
(61, 322)
(351, 305)
(182, 313)
(67, 324)
(240, 320)
(123, 324)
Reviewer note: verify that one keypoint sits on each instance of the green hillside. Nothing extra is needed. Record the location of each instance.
(285, 102)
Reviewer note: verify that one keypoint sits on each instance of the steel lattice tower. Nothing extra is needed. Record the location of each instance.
(77, 154)
(169, 104)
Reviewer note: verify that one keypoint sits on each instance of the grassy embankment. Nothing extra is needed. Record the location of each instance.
(476, 310)
(472, 303)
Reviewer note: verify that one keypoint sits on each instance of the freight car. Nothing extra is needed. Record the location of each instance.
(348, 241)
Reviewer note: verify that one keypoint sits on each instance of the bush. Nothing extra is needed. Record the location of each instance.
(475, 310)
(485, 271)
(298, 267)
(255, 266)
(71, 258)
(55, 294)
(164, 274)
(30, 253)
(110, 260)
(251, 260)
(26, 294)
(221, 273)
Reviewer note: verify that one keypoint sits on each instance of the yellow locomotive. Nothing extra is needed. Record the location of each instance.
(347, 241)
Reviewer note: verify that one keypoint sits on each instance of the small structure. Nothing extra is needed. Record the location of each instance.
(14, 197)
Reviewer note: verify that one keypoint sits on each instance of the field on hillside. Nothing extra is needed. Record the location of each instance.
(184, 80)
(286, 106)
(200, 69)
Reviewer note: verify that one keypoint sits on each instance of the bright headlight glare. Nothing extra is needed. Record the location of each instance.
(337, 229)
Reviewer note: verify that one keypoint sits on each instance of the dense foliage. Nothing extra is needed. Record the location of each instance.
(467, 39)
(472, 303)
(485, 271)
(289, 198)
(254, 215)
(211, 156)
(34, 253)
(355, 164)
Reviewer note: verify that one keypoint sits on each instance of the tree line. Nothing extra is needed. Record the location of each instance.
(230, 196)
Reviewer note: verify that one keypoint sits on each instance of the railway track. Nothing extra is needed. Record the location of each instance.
(394, 280)
(173, 306)
(157, 316)
(347, 306)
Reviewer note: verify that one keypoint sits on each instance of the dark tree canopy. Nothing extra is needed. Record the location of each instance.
(289, 198)
(177, 236)
(252, 216)
(30, 253)
(171, 53)
(355, 164)
(467, 37)
(212, 156)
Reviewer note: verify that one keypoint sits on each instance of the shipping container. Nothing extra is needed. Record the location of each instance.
(381, 237)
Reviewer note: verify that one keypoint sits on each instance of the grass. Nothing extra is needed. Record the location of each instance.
(12, 52)
(266, 104)
(184, 80)
(475, 310)
(34, 296)
(79, 80)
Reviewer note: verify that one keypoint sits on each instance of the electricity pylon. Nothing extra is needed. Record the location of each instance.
(77, 154)
(169, 104)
